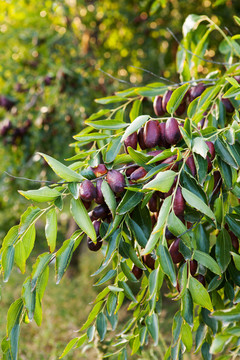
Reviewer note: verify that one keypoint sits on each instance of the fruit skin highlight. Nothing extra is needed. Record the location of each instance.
(116, 181)
(172, 132)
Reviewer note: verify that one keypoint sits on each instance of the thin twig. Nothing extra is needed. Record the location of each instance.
(190, 52)
(151, 73)
(114, 78)
(32, 180)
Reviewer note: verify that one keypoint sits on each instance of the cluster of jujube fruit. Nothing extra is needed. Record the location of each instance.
(153, 138)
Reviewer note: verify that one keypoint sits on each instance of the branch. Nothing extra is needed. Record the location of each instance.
(190, 52)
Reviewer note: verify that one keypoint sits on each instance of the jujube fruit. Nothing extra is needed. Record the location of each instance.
(174, 252)
(211, 149)
(130, 170)
(157, 106)
(153, 203)
(87, 190)
(141, 139)
(193, 267)
(100, 212)
(91, 245)
(179, 203)
(138, 174)
(196, 91)
(151, 133)
(116, 181)
(99, 195)
(162, 138)
(149, 261)
(172, 132)
(131, 141)
(99, 170)
(191, 165)
(166, 98)
(228, 105)
(137, 272)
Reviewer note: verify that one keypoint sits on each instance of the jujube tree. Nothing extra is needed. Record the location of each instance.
(158, 194)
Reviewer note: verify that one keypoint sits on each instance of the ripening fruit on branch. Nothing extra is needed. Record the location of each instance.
(151, 133)
(174, 252)
(149, 261)
(137, 272)
(172, 164)
(169, 235)
(99, 170)
(201, 279)
(193, 267)
(196, 91)
(141, 139)
(211, 149)
(191, 165)
(153, 203)
(172, 132)
(138, 174)
(228, 105)
(131, 141)
(87, 190)
(91, 245)
(100, 212)
(179, 203)
(157, 105)
(99, 195)
(116, 181)
(162, 138)
(166, 98)
(130, 170)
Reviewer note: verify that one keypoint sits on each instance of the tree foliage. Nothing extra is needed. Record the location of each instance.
(172, 222)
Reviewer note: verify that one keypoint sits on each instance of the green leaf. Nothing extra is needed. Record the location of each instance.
(106, 277)
(129, 201)
(91, 317)
(7, 261)
(113, 149)
(219, 343)
(222, 249)
(107, 124)
(109, 197)
(228, 315)
(39, 267)
(127, 272)
(43, 194)
(224, 152)
(200, 147)
(178, 229)
(234, 224)
(197, 203)
(127, 291)
(138, 156)
(29, 297)
(82, 218)
(51, 228)
(191, 23)
(73, 188)
(69, 347)
(135, 259)
(187, 307)
(137, 232)
(153, 283)
(176, 98)
(191, 184)
(64, 255)
(199, 294)
(236, 259)
(101, 324)
(167, 264)
(13, 327)
(11, 237)
(135, 110)
(162, 182)
(61, 170)
(186, 336)
(206, 260)
(13, 315)
(109, 100)
(162, 218)
(152, 326)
